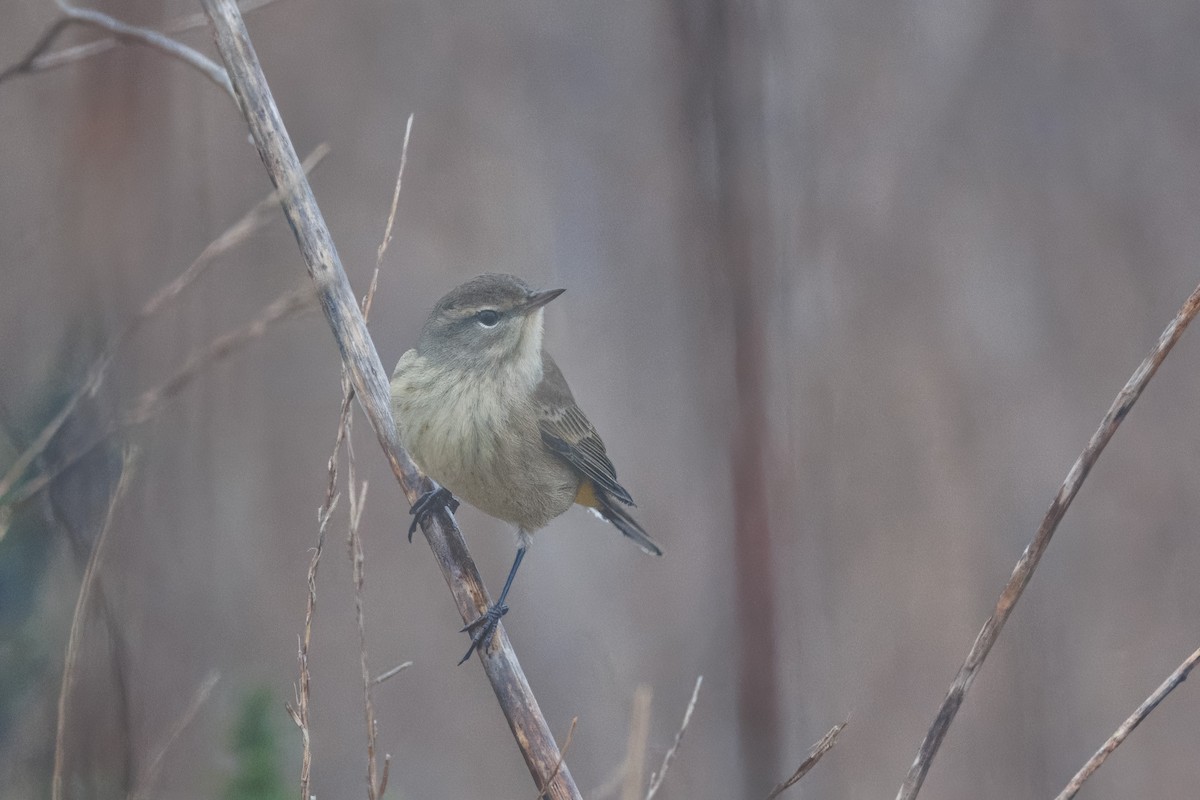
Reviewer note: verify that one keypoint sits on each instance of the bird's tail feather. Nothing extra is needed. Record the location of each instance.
(608, 509)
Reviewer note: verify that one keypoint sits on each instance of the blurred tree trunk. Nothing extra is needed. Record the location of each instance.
(724, 50)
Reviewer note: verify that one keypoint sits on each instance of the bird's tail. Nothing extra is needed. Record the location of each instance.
(608, 509)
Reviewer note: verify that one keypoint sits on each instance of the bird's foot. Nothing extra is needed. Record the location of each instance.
(483, 628)
(431, 502)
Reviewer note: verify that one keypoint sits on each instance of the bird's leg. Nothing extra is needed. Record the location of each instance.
(432, 501)
(485, 625)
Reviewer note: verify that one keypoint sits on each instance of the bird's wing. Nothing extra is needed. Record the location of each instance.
(567, 432)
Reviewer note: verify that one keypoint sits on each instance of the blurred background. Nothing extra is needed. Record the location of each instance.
(849, 285)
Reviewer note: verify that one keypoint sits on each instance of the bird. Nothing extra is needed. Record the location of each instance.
(484, 411)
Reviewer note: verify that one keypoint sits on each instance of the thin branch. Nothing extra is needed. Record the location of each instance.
(123, 32)
(81, 547)
(561, 756)
(1149, 704)
(71, 659)
(235, 234)
(499, 661)
(391, 673)
(25, 65)
(657, 779)
(814, 755)
(1037, 547)
(149, 776)
(299, 711)
(38, 60)
(200, 20)
(357, 561)
(387, 229)
(153, 400)
(354, 541)
(387, 771)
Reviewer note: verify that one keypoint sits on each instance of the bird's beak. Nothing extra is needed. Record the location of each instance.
(539, 299)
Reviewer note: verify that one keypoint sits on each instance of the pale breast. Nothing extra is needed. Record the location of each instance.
(477, 436)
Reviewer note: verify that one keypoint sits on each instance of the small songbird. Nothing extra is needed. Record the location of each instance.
(484, 411)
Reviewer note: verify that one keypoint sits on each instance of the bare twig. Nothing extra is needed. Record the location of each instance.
(354, 546)
(657, 779)
(71, 659)
(106, 609)
(1033, 552)
(354, 541)
(391, 673)
(387, 770)
(200, 19)
(387, 230)
(123, 32)
(153, 400)
(149, 775)
(38, 60)
(1149, 704)
(234, 235)
(25, 65)
(299, 711)
(814, 755)
(561, 756)
(499, 661)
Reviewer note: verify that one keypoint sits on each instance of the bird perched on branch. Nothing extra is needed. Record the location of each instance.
(484, 411)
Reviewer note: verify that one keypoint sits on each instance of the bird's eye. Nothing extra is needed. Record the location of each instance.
(488, 317)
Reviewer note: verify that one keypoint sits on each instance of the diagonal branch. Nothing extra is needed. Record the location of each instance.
(815, 754)
(38, 60)
(234, 235)
(500, 663)
(154, 400)
(78, 620)
(1149, 704)
(148, 777)
(121, 31)
(656, 779)
(1037, 547)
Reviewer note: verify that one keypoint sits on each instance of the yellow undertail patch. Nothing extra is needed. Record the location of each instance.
(586, 495)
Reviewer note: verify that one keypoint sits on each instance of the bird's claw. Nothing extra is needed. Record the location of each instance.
(431, 502)
(484, 626)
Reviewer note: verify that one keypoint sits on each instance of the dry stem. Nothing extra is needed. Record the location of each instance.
(561, 756)
(72, 15)
(354, 541)
(657, 779)
(1149, 704)
(299, 711)
(814, 755)
(391, 673)
(354, 545)
(153, 400)
(149, 775)
(1033, 552)
(239, 232)
(71, 659)
(387, 229)
(38, 60)
(499, 661)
